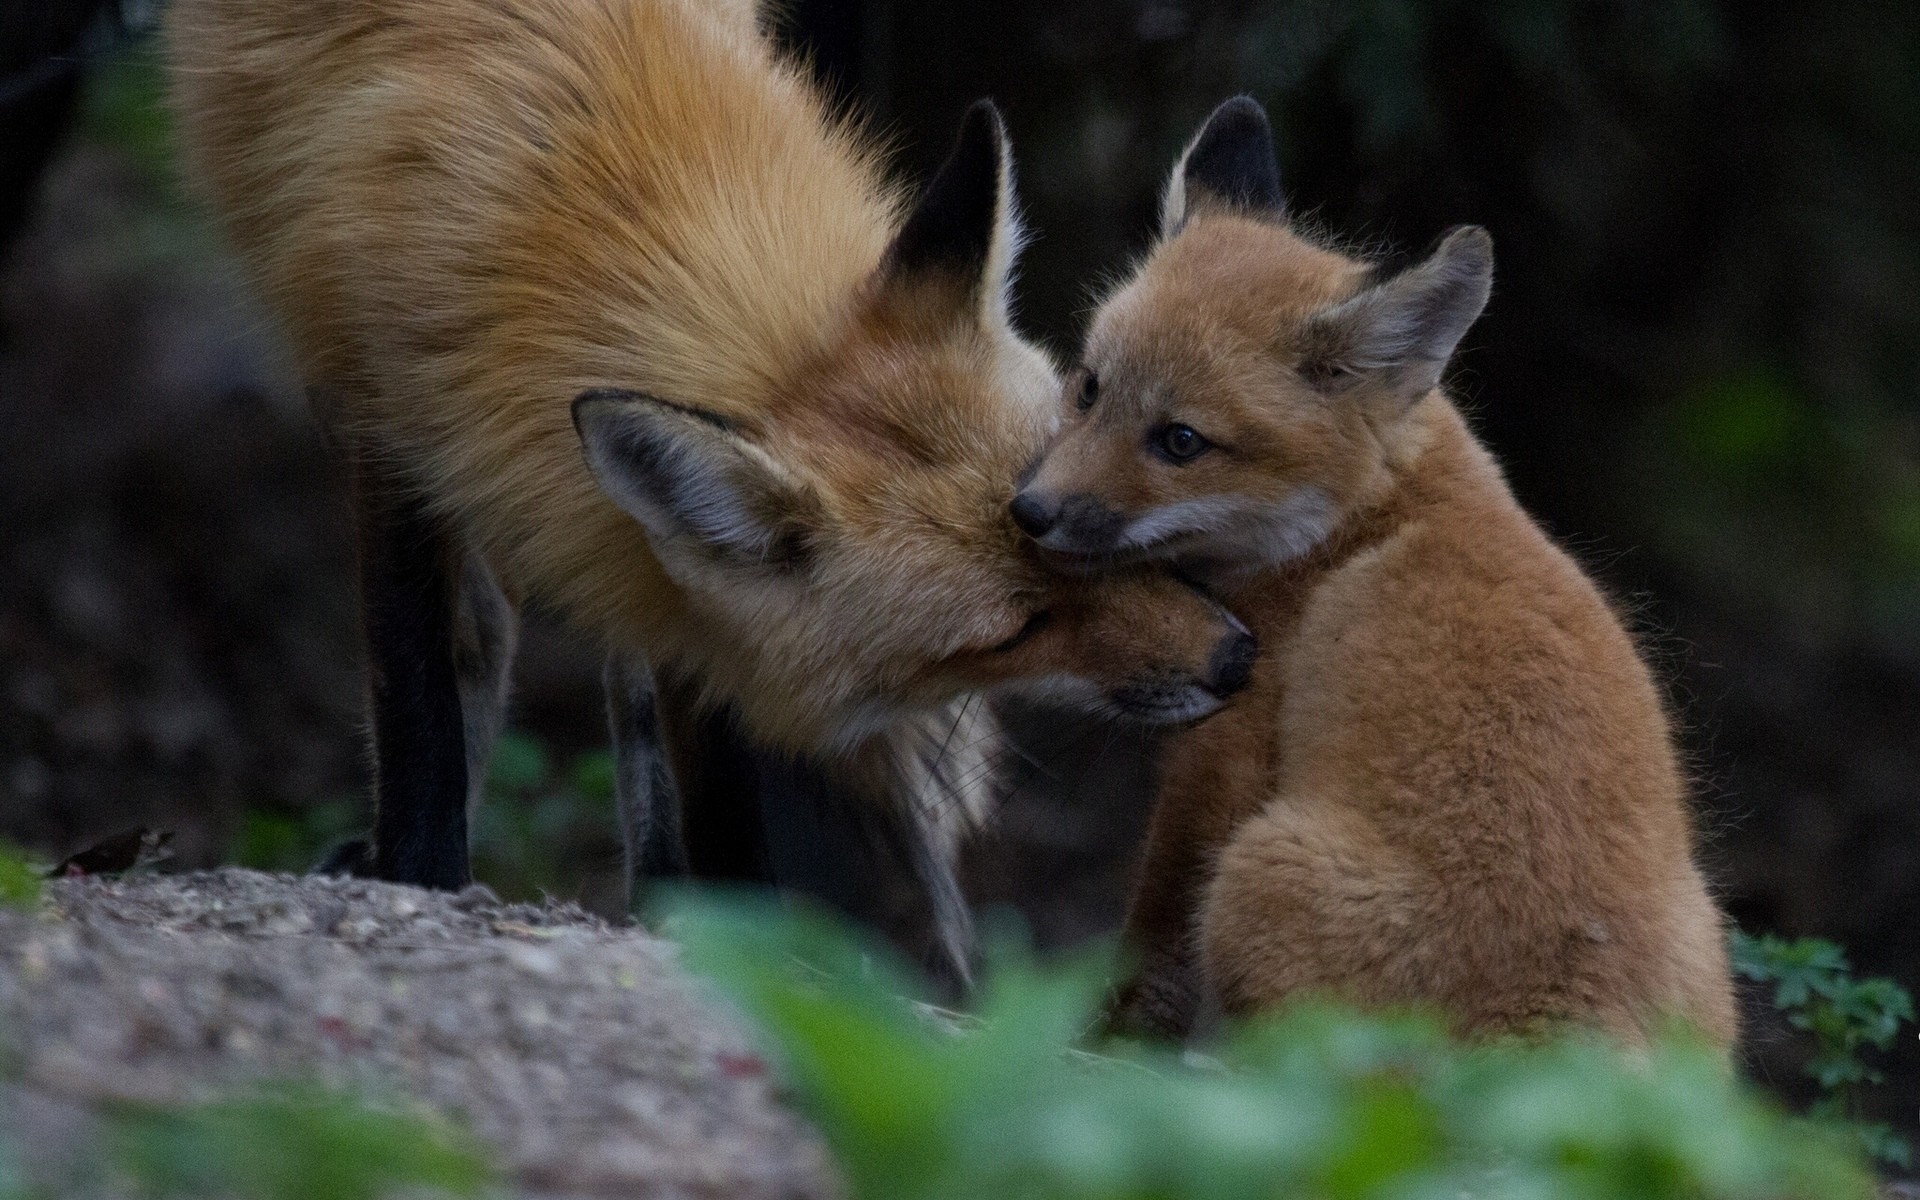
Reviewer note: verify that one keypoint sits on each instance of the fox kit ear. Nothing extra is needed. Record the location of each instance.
(1401, 332)
(687, 476)
(1230, 164)
(964, 230)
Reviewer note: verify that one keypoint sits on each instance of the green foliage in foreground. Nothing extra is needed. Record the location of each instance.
(285, 1143)
(545, 825)
(293, 1144)
(1814, 985)
(1316, 1103)
(19, 879)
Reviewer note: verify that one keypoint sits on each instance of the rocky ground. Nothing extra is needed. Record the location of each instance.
(581, 1056)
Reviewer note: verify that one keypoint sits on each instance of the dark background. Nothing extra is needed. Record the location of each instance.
(1701, 367)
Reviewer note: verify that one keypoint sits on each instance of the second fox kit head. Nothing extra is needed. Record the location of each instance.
(848, 542)
(1246, 389)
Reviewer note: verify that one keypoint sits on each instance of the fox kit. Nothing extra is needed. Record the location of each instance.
(1451, 782)
(619, 321)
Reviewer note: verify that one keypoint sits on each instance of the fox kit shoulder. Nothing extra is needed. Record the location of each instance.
(1466, 793)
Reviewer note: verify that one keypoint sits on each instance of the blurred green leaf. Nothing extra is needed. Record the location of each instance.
(519, 763)
(20, 881)
(293, 1144)
(1744, 422)
(1314, 1101)
(593, 776)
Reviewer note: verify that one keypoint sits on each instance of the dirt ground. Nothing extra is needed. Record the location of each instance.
(579, 1053)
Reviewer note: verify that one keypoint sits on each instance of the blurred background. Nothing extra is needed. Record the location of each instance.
(1701, 367)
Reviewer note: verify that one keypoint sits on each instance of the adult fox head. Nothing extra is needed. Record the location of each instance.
(849, 546)
(1245, 391)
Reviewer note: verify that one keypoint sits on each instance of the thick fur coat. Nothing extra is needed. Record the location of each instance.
(1452, 782)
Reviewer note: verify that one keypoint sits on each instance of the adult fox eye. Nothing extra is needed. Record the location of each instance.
(1035, 624)
(1180, 442)
(1089, 391)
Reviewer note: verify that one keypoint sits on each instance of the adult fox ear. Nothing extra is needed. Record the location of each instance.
(1230, 166)
(693, 481)
(1400, 333)
(964, 234)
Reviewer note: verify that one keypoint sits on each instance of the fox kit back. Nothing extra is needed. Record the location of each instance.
(1451, 781)
(619, 321)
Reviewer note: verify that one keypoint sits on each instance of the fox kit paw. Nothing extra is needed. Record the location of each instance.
(1156, 1005)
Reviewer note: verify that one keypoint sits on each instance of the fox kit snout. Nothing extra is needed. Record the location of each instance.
(1450, 782)
(1241, 397)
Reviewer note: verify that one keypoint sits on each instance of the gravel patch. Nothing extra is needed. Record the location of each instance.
(578, 1052)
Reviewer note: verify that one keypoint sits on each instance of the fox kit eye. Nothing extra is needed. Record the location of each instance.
(1089, 390)
(1180, 443)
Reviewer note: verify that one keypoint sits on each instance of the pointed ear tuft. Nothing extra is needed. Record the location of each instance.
(1230, 164)
(690, 478)
(1401, 332)
(963, 229)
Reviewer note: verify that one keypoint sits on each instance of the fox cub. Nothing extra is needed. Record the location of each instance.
(1451, 782)
(620, 321)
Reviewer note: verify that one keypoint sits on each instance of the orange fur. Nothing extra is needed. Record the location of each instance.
(1451, 782)
(469, 212)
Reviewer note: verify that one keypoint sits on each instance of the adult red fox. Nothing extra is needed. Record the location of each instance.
(612, 312)
(1451, 782)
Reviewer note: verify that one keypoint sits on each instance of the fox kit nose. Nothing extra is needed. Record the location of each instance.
(1033, 515)
(1232, 664)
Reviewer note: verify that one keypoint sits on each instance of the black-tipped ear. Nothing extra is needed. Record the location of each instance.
(1400, 333)
(1230, 163)
(691, 480)
(962, 229)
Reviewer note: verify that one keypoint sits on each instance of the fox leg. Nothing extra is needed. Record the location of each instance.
(1309, 899)
(872, 855)
(1161, 996)
(647, 803)
(408, 564)
(713, 805)
(747, 814)
(1209, 784)
(486, 632)
(715, 789)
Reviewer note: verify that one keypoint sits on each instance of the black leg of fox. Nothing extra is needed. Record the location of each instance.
(715, 789)
(486, 631)
(870, 857)
(419, 742)
(731, 811)
(761, 816)
(645, 798)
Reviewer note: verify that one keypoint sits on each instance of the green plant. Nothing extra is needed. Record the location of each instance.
(292, 840)
(546, 819)
(1315, 1102)
(1814, 986)
(292, 1144)
(19, 879)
